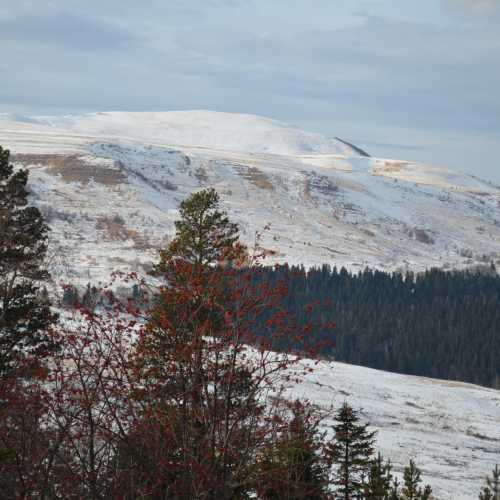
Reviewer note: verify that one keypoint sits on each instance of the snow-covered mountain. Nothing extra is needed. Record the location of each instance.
(110, 185)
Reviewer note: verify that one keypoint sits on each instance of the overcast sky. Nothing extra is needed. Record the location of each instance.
(399, 78)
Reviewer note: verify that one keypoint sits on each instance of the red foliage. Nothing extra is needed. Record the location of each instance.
(162, 401)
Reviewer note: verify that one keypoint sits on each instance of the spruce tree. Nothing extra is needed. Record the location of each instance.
(411, 488)
(491, 491)
(378, 486)
(350, 452)
(394, 490)
(293, 467)
(412, 480)
(24, 313)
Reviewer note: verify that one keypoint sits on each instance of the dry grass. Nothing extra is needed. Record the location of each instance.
(255, 176)
(74, 168)
(114, 229)
(389, 167)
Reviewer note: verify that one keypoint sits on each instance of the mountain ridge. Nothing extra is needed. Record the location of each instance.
(325, 201)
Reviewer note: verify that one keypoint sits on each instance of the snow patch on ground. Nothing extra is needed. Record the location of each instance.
(450, 429)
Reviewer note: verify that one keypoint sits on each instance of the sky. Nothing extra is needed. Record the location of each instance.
(399, 78)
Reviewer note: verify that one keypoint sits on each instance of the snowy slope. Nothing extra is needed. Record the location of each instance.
(227, 131)
(110, 185)
(450, 429)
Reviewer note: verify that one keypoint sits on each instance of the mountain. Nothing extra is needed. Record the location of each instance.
(110, 185)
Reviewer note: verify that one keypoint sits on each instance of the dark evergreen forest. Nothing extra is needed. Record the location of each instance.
(437, 324)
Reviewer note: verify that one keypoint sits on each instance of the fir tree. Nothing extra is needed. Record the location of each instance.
(24, 312)
(351, 453)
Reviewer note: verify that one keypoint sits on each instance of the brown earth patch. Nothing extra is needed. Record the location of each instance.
(114, 229)
(141, 241)
(74, 168)
(255, 176)
(389, 167)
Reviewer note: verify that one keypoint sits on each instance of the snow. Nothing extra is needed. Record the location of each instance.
(325, 203)
(450, 429)
(225, 131)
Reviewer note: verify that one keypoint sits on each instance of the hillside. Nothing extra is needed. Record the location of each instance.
(450, 429)
(110, 184)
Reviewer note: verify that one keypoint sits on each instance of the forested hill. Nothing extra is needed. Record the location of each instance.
(436, 324)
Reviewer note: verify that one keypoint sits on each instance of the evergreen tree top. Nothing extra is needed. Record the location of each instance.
(204, 233)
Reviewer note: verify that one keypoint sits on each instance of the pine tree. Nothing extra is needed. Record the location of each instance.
(412, 479)
(204, 233)
(394, 490)
(204, 238)
(378, 486)
(351, 453)
(292, 467)
(24, 313)
(491, 491)
(193, 349)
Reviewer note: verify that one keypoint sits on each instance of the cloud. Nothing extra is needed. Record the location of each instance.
(401, 73)
(65, 30)
(474, 7)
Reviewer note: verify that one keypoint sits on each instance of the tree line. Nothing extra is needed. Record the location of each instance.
(437, 324)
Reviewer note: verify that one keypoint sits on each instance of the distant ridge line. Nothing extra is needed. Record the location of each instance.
(358, 150)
